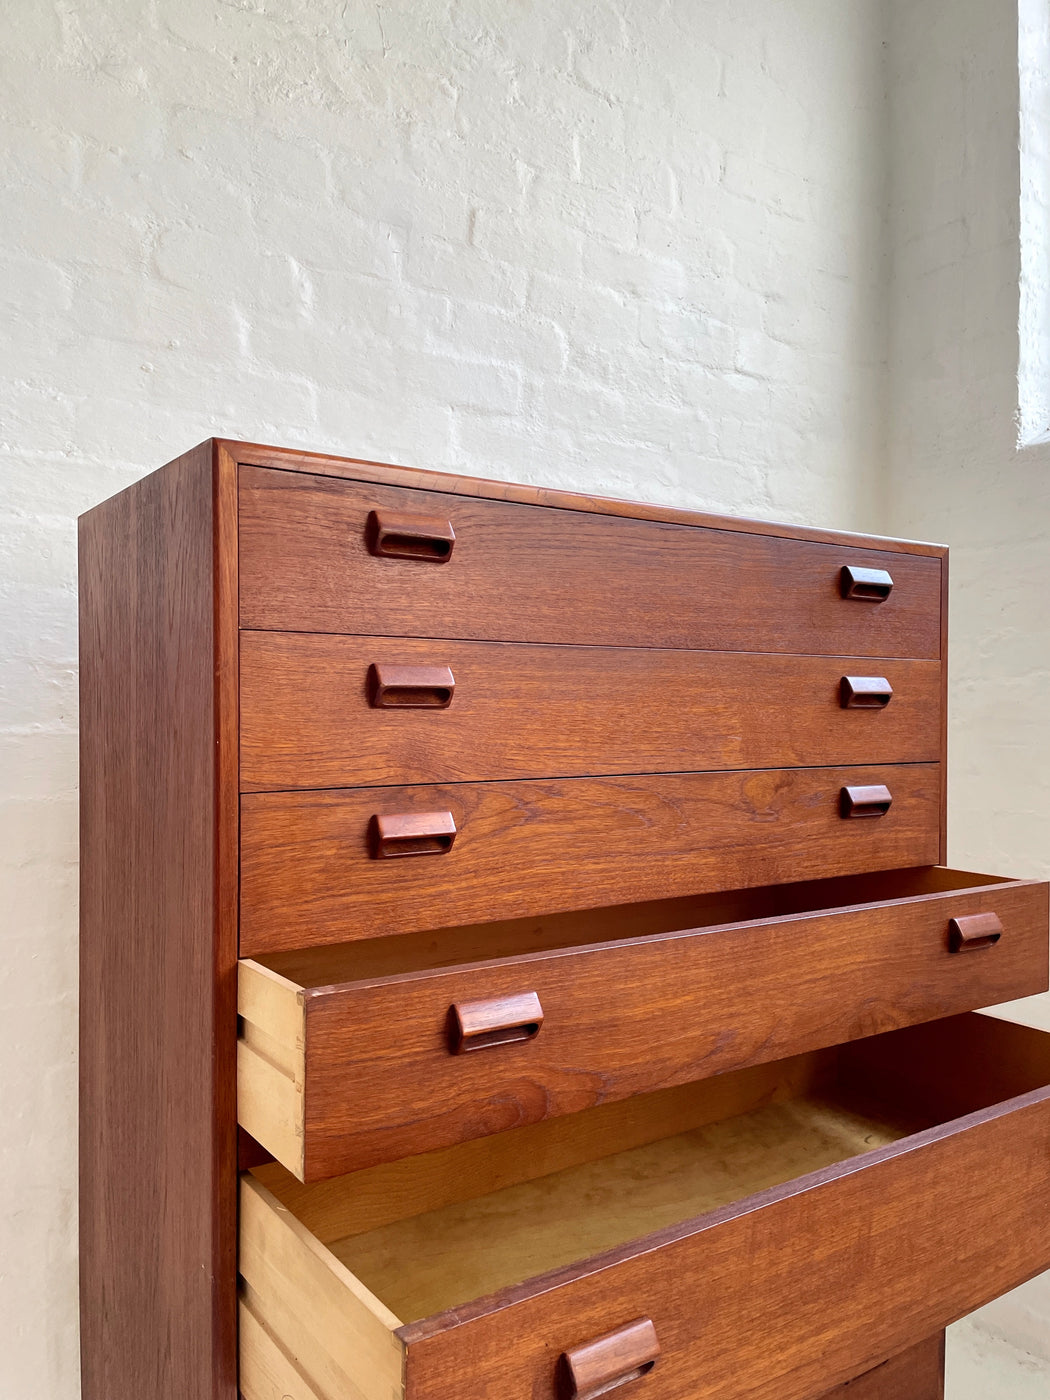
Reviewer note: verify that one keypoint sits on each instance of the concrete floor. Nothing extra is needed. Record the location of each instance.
(980, 1366)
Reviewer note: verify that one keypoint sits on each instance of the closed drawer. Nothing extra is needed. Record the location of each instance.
(520, 573)
(359, 1054)
(329, 711)
(769, 1233)
(332, 866)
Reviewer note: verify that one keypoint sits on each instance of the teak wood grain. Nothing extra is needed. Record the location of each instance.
(637, 596)
(394, 956)
(158, 937)
(832, 1271)
(536, 574)
(598, 1366)
(253, 454)
(835, 1270)
(371, 1069)
(308, 717)
(951, 1067)
(916, 1374)
(379, 1196)
(308, 876)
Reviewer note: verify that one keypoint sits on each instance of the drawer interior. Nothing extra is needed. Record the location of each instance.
(436, 1231)
(416, 952)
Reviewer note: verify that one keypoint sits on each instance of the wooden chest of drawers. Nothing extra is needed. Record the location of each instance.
(553, 890)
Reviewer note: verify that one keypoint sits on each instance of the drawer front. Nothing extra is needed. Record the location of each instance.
(540, 574)
(328, 711)
(832, 1272)
(381, 1071)
(316, 866)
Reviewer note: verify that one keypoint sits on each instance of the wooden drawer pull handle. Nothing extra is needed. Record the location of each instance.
(971, 932)
(869, 585)
(410, 687)
(608, 1362)
(398, 535)
(865, 692)
(871, 801)
(475, 1025)
(411, 834)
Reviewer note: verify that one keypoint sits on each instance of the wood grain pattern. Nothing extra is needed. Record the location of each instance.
(408, 687)
(908, 1238)
(915, 1374)
(535, 574)
(367, 959)
(447, 1259)
(266, 1369)
(158, 952)
(628, 1018)
(314, 1307)
(869, 802)
(410, 535)
(956, 1066)
(358, 469)
(837, 1270)
(226, 896)
(394, 835)
(160, 841)
(721, 1161)
(972, 933)
(522, 848)
(308, 717)
(493, 1022)
(410, 1186)
(594, 1368)
(270, 1105)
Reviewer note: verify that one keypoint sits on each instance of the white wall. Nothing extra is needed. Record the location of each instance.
(954, 469)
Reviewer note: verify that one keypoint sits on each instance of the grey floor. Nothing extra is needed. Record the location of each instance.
(980, 1366)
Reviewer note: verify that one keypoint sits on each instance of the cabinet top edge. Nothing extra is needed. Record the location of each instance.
(299, 460)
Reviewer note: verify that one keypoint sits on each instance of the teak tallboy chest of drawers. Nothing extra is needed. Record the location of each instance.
(553, 891)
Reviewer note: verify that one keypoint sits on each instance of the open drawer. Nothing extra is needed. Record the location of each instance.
(371, 1051)
(768, 1233)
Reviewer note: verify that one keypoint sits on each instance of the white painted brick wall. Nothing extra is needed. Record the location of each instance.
(634, 249)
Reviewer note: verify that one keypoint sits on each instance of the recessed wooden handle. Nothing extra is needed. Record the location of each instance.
(608, 1362)
(399, 535)
(867, 585)
(475, 1025)
(410, 687)
(411, 834)
(871, 801)
(865, 692)
(971, 932)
